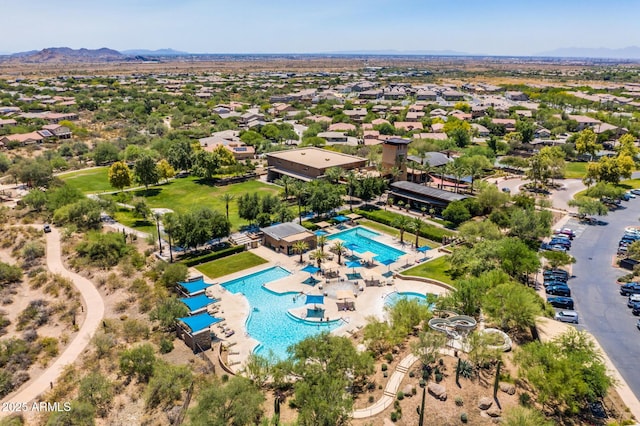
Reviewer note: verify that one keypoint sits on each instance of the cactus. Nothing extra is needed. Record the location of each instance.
(420, 409)
(495, 384)
(276, 409)
(458, 373)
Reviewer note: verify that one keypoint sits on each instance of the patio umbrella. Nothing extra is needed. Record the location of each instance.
(354, 264)
(388, 263)
(341, 218)
(423, 249)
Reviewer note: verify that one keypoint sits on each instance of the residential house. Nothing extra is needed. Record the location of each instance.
(333, 137)
(357, 114)
(480, 130)
(309, 163)
(508, 123)
(23, 139)
(7, 123)
(437, 127)
(585, 122)
(431, 135)
(452, 95)
(342, 127)
(60, 132)
(408, 126)
(516, 96)
(230, 141)
(426, 95)
(414, 116)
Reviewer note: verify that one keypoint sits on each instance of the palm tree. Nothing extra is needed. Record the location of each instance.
(333, 174)
(339, 249)
(402, 223)
(227, 198)
(300, 247)
(318, 256)
(299, 189)
(459, 170)
(285, 182)
(416, 227)
(322, 240)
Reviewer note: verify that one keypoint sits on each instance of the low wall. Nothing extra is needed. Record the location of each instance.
(425, 280)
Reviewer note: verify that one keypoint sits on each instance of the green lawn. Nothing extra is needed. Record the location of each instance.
(127, 218)
(89, 181)
(408, 236)
(229, 265)
(575, 170)
(436, 269)
(630, 183)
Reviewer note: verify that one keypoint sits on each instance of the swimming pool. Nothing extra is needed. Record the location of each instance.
(269, 322)
(361, 240)
(393, 298)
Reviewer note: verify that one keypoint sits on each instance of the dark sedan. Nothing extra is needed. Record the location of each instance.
(629, 289)
(560, 302)
(559, 290)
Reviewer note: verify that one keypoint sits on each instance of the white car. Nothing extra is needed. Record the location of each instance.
(631, 194)
(633, 298)
(567, 316)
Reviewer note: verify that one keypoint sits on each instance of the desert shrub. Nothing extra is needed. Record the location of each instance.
(36, 314)
(9, 273)
(466, 369)
(167, 384)
(173, 273)
(464, 418)
(459, 401)
(103, 250)
(134, 330)
(166, 312)
(32, 250)
(80, 413)
(166, 345)
(384, 367)
(103, 343)
(400, 396)
(96, 390)
(49, 345)
(138, 361)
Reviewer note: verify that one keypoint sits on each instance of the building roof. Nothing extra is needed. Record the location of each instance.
(316, 157)
(426, 192)
(435, 159)
(398, 141)
(283, 230)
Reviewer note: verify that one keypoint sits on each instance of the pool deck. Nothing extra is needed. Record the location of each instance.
(368, 300)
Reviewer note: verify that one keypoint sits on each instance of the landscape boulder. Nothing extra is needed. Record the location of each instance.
(407, 390)
(485, 403)
(494, 411)
(508, 388)
(438, 391)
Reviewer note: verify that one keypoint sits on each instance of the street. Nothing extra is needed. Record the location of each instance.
(603, 311)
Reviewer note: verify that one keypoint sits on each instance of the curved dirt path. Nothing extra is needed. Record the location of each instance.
(94, 307)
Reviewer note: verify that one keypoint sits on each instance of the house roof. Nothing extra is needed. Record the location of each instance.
(398, 141)
(316, 157)
(284, 230)
(435, 159)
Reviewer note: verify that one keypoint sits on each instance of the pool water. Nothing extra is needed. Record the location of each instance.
(361, 240)
(393, 298)
(269, 321)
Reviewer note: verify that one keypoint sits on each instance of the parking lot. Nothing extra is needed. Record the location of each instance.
(602, 310)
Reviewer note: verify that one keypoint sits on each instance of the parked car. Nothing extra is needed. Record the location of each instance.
(556, 273)
(635, 191)
(636, 309)
(634, 298)
(638, 324)
(629, 289)
(567, 231)
(561, 241)
(507, 190)
(549, 283)
(558, 247)
(560, 302)
(559, 290)
(626, 197)
(46, 228)
(630, 194)
(567, 316)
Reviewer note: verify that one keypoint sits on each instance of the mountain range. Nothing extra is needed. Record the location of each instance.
(158, 52)
(630, 52)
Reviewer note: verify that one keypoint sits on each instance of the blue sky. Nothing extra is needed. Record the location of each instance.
(497, 27)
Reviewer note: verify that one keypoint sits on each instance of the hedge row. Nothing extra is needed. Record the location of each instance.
(430, 232)
(213, 256)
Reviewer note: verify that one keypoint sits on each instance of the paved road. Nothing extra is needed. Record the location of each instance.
(603, 311)
(93, 306)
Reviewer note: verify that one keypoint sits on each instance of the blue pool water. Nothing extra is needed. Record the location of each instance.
(392, 298)
(320, 232)
(361, 240)
(269, 321)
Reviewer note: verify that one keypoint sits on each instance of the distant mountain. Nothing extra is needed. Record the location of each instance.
(63, 55)
(392, 52)
(159, 52)
(631, 52)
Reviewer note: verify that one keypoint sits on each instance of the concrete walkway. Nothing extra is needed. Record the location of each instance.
(390, 391)
(93, 306)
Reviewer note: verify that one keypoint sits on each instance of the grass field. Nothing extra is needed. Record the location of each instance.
(127, 218)
(228, 265)
(436, 269)
(179, 195)
(575, 170)
(89, 181)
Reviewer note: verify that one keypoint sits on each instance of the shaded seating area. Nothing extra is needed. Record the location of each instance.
(330, 274)
(193, 286)
(317, 311)
(346, 306)
(372, 282)
(354, 276)
(197, 304)
(194, 331)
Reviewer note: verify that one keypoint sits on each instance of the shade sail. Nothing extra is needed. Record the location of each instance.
(198, 323)
(194, 287)
(424, 248)
(341, 218)
(310, 269)
(314, 299)
(344, 294)
(197, 302)
(387, 262)
(354, 264)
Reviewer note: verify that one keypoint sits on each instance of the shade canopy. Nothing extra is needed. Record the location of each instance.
(195, 286)
(423, 248)
(198, 323)
(341, 218)
(354, 216)
(323, 224)
(197, 302)
(314, 299)
(344, 294)
(310, 269)
(387, 262)
(354, 264)
(311, 281)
